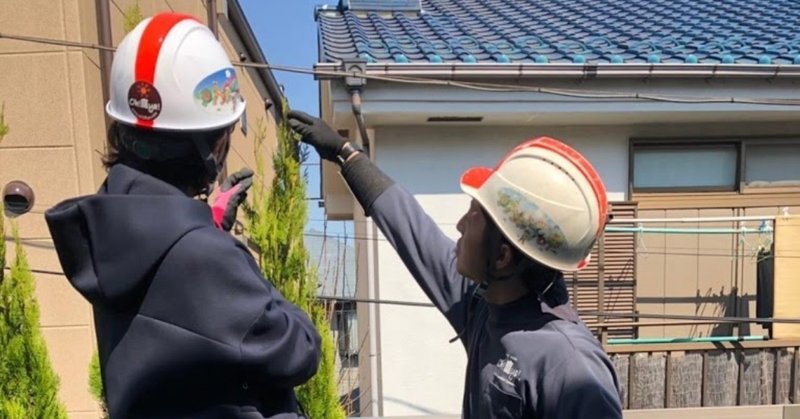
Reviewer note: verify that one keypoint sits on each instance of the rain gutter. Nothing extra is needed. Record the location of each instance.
(456, 71)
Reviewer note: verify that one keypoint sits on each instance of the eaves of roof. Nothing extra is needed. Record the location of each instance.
(457, 71)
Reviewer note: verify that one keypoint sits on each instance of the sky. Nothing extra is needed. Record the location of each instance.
(287, 33)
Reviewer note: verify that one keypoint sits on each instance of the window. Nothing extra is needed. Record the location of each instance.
(725, 165)
(344, 327)
(685, 167)
(772, 165)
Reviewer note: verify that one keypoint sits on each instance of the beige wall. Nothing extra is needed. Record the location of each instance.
(54, 107)
(690, 274)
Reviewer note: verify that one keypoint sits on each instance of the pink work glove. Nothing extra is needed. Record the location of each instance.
(232, 194)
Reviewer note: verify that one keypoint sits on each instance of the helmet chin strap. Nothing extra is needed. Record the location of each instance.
(541, 294)
(492, 278)
(211, 165)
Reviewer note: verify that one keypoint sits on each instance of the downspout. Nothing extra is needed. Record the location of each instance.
(355, 99)
(375, 376)
(211, 10)
(104, 38)
(376, 404)
(355, 84)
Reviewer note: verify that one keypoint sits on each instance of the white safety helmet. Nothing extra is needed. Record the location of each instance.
(170, 73)
(546, 199)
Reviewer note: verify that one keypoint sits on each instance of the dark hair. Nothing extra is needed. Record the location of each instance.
(170, 156)
(547, 282)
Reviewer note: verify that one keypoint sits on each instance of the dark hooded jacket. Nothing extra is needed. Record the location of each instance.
(186, 325)
(531, 358)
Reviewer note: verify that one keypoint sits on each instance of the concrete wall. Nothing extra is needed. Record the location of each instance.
(54, 107)
(707, 378)
(740, 412)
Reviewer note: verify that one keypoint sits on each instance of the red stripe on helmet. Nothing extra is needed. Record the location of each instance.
(150, 46)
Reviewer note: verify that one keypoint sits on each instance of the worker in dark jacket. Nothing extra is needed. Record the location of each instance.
(501, 287)
(187, 326)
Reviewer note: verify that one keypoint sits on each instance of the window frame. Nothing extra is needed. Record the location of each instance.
(750, 142)
(740, 143)
(682, 144)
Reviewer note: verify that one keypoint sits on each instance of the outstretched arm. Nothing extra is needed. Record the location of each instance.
(424, 249)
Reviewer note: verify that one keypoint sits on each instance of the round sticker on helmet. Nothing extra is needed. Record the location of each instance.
(218, 92)
(144, 100)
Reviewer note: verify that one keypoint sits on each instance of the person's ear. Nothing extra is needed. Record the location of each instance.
(505, 258)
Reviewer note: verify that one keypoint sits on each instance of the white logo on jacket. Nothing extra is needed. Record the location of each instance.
(507, 370)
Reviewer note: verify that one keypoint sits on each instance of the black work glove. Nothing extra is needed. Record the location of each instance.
(318, 134)
(231, 194)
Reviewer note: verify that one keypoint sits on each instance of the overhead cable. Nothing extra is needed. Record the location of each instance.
(480, 86)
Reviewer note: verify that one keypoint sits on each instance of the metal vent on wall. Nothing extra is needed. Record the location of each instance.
(382, 5)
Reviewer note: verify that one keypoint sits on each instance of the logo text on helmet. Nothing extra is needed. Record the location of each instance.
(144, 100)
(218, 92)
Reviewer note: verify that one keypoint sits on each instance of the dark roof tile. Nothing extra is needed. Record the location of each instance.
(559, 31)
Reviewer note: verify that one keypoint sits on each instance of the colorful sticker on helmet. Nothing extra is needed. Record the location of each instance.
(531, 221)
(219, 92)
(144, 100)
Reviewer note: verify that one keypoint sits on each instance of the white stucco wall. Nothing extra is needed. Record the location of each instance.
(421, 373)
(388, 103)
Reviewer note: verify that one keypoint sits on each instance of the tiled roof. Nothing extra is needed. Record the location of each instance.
(567, 31)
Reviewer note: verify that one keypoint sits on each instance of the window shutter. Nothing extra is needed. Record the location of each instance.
(619, 274)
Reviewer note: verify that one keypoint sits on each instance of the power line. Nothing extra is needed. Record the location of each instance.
(581, 313)
(690, 317)
(480, 86)
(375, 301)
(59, 42)
(40, 271)
(323, 298)
(650, 251)
(615, 221)
(608, 252)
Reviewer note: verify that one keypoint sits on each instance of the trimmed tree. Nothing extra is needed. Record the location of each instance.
(3, 127)
(96, 384)
(132, 16)
(276, 221)
(28, 385)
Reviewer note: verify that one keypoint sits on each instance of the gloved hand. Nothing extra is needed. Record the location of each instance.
(231, 194)
(317, 133)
